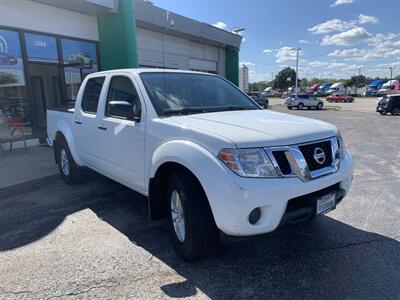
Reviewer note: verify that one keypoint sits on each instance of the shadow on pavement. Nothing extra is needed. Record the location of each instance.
(324, 258)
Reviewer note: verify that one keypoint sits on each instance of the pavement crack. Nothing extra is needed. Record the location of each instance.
(84, 291)
(355, 244)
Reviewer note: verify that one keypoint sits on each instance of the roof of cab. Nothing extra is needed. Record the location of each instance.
(145, 70)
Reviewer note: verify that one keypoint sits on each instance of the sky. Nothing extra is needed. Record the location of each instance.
(338, 38)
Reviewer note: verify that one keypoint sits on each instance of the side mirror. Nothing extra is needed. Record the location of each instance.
(124, 110)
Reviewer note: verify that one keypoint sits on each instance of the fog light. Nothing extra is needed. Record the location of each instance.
(254, 216)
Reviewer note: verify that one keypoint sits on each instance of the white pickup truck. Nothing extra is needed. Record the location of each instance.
(206, 155)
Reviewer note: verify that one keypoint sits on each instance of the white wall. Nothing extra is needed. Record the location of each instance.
(178, 52)
(30, 15)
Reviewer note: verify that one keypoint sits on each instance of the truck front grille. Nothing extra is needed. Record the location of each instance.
(283, 162)
(306, 161)
(308, 153)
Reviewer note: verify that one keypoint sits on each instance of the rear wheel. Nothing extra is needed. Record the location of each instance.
(193, 232)
(319, 106)
(300, 106)
(67, 167)
(396, 111)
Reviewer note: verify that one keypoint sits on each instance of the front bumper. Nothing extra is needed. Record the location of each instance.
(233, 199)
(381, 109)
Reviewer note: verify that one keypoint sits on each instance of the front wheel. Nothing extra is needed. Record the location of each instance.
(300, 106)
(383, 113)
(193, 232)
(67, 167)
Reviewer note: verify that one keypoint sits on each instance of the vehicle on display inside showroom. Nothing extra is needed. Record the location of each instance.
(207, 157)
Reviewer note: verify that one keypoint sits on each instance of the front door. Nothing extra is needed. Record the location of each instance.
(45, 91)
(121, 137)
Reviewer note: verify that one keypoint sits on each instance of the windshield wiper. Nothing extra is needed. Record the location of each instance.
(184, 111)
(199, 110)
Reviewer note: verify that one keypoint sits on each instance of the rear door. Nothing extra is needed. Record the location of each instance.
(121, 139)
(86, 120)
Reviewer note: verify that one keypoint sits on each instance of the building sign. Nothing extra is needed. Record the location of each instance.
(78, 53)
(41, 47)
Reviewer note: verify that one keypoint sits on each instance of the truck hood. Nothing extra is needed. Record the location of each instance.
(258, 128)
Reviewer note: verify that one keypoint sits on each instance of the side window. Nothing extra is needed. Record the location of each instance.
(122, 100)
(91, 95)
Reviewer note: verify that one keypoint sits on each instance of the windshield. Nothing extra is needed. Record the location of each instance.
(186, 93)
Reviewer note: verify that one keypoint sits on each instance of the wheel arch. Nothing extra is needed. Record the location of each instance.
(157, 203)
(64, 132)
(178, 155)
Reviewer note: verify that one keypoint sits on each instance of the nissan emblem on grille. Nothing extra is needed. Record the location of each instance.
(319, 155)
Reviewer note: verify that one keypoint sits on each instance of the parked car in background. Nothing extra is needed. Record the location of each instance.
(373, 88)
(323, 89)
(314, 87)
(339, 98)
(207, 158)
(336, 88)
(389, 104)
(304, 101)
(7, 59)
(390, 87)
(270, 92)
(260, 98)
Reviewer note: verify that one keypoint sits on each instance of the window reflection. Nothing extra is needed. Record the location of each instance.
(15, 117)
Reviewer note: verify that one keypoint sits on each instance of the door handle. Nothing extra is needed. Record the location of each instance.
(77, 122)
(102, 127)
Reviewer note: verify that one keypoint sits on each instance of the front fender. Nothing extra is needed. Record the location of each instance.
(201, 162)
(65, 129)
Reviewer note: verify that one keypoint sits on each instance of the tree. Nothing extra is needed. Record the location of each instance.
(258, 86)
(281, 79)
(356, 81)
(7, 78)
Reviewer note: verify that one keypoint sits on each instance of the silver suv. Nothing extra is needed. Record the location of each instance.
(304, 100)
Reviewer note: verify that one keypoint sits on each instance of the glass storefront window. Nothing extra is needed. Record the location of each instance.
(15, 117)
(41, 48)
(80, 59)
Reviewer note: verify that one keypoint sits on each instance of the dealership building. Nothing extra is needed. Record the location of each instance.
(47, 47)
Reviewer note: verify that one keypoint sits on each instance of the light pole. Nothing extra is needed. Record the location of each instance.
(391, 73)
(297, 68)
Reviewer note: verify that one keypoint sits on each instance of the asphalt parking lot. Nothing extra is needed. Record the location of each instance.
(94, 241)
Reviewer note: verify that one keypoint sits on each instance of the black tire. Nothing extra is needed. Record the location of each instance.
(395, 111)
(201, 236)
(319, 106)
(266, 105)
(290, 107)
(73, 175)
(383, 113)
(300, 106)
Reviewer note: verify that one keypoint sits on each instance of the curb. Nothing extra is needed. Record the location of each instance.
(27, 185)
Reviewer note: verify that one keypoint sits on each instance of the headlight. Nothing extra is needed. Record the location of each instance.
(248, 162)
(342, 146)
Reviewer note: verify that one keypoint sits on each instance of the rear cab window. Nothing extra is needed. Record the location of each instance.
(91, 95)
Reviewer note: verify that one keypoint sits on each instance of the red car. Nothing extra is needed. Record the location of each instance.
(339, 98)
